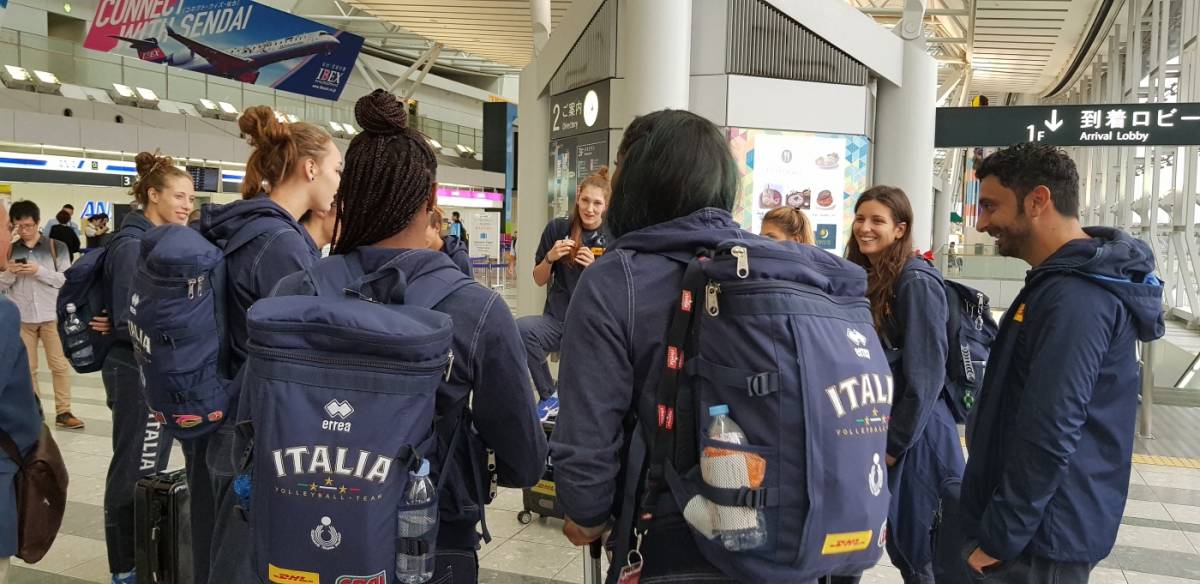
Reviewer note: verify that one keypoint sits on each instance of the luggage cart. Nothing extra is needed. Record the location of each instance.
(541, 498)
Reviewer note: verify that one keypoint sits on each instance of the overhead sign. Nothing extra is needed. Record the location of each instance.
(1137, 124)
(235, 39)
(579, 111)
(43, 168)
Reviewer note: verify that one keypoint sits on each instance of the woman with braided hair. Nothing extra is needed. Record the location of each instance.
(163, 194)
(388, 191)
(295, 168)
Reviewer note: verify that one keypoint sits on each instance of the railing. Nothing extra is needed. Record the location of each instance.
(73, 64)
(979, 261)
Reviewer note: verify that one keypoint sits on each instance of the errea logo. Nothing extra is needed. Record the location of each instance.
(859, 342)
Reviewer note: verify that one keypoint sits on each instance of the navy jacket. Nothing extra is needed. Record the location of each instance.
(1052, 436)
(280, 247)
(20, 412)
(120, 266)
(489, 376)
(457, 250)
(563, 277)
(918, 328)
(612, 348)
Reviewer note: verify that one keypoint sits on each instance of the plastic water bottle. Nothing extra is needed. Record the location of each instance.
(740, 528)
(80, 355)
(416, 523)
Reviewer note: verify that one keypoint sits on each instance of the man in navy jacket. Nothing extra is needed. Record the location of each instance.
(1051, 440)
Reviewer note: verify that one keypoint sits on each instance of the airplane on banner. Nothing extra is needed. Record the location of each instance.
(242, 63)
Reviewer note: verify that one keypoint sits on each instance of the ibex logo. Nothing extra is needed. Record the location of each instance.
(859, 341)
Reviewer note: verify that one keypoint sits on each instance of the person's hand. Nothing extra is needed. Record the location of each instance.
(101, 324)
(561, 248)
(979, 560)
(26, 269)
(585, 257)
(579, 535)
(891, 460)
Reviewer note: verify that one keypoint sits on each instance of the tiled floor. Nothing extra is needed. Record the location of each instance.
(1159, 542)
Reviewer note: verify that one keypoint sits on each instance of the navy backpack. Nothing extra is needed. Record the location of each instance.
(782, 334)
(970, 331)
(86, 288)
(343, 387)
(178, 327)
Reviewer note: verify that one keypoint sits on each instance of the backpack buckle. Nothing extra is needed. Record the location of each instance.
(761, 384)
(753, 498)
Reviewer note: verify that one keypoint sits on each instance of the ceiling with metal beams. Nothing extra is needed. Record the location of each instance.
(1012, 46)
(500, 31)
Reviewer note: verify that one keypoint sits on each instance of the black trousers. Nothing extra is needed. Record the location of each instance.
(140, 448)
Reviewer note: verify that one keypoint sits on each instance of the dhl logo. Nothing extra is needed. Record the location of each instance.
(285, 576)
(844, 543)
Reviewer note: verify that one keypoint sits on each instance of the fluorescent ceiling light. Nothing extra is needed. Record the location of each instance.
(146, 94)
(209, 105)
(436, 145)
(16, 73)
(292, 118)
(227, 107)
(350, 130)
(336, 127)
(47, 78)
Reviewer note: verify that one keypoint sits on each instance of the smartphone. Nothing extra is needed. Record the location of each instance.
(21, 260)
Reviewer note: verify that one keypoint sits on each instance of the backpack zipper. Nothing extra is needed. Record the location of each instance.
(743, 260)
(711, 291)
(449, 364)
(344, 362)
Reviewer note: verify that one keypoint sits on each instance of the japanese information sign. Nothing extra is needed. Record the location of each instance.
(1136, 124)
(579, 111)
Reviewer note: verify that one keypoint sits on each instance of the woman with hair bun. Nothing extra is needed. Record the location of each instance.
(787, 224)
(294, 168)
(163, 194)
(567, 248)
(383, 217)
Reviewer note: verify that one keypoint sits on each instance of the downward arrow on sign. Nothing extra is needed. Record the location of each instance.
(1053, 123)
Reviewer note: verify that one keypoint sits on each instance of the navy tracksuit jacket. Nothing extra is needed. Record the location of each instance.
(1052, 436)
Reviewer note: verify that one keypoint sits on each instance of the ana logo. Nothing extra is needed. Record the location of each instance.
(325, 536)
(339, 409)
(283, 575)
(859, 341)
(380, 578)
(875, 477)
(844, 543)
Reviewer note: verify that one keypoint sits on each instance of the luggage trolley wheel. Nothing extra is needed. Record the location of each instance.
(524, 517)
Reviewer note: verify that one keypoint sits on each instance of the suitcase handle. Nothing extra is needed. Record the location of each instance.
(154, 544)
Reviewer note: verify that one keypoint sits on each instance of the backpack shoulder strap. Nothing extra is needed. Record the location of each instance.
(431, 290)
(53, 252)
(672, 422)
(10, 448)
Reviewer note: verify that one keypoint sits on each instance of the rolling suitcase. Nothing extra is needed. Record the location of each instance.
(163, 529)
(541, 499)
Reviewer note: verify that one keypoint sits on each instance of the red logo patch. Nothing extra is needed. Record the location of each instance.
(187, 420)
(686, 301)
(674, 358)
(216, 416)
(380, 578)
(666, 417)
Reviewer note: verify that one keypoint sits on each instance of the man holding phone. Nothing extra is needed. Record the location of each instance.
(31, 274)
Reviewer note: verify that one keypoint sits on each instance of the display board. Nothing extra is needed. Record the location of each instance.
(1109, 124)
(235, 39)
(821, 174)
(205, 179)
(572, 159)
(484, 230)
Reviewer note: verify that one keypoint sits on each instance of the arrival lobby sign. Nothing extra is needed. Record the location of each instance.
(1137, 124)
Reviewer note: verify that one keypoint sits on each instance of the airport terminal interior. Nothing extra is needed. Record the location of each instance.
(522, 100)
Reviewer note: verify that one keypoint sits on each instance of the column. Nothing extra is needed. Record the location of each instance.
(657, 35)
(904, 119)
(539, 11)
(533, 135)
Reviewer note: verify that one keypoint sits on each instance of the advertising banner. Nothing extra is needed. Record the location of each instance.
(484, 229)
(235, 39)
(820, 174)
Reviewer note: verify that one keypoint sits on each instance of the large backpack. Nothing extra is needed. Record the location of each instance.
(41, 488)
(342, 387)
(178, 327)
(783, 335)
(86, 288)
(67, 236)
(970, 331)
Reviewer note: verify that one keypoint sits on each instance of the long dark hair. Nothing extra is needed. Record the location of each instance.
(389, 173)
(882, 276)
(670, 164)
(599, 180)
